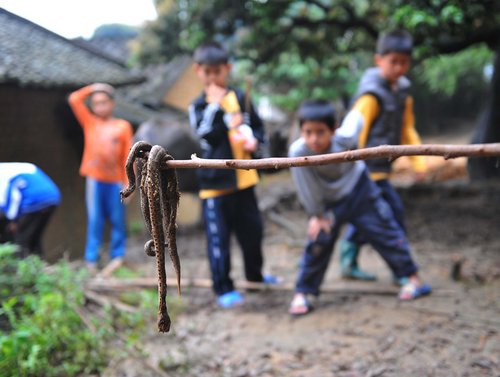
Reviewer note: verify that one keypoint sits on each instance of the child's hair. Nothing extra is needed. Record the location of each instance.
(110, 95)
(395, 41)
(317, 110)
(211, 53)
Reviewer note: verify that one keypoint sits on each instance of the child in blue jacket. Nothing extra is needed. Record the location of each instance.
(28, 198)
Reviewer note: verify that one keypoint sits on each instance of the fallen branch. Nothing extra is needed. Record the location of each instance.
(384, 151)
(104, 301)
(123, 285)
(86, 321)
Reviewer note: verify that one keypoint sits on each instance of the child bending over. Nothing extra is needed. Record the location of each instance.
(337, 194)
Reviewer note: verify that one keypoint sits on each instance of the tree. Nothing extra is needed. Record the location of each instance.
(303, 48)
(451, 26)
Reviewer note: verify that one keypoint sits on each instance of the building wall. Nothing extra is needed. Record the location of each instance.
(185, 89)
(37, 126)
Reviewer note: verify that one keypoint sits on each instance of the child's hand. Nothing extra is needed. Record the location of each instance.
(250, 145)
(243, 134)
(317, 224)
(236, 120)
(12, 227)
(215, 93)
(420, 177)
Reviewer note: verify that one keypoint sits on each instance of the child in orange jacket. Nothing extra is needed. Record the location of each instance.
(107, 144)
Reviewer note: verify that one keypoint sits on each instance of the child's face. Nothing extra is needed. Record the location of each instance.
(317, 135)
(102, 105)
(393, 65)
(213, 74)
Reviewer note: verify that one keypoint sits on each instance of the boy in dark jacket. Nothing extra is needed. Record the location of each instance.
(227, 129)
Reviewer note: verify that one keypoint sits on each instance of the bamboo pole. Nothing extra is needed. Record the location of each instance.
(390, 152)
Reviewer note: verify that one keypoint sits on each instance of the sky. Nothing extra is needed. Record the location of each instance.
(79, 18)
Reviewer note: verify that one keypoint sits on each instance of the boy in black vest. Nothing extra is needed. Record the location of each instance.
(382, 114)
(227, 130)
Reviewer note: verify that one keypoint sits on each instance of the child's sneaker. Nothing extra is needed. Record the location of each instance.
(272, 280)
(230, 300)
(300, 305)
(411, 291)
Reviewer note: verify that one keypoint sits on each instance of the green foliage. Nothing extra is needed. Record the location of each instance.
(42, 330)
(444, 26)
(291, 50)
(445, 74)
(299, 49)
(44, 334)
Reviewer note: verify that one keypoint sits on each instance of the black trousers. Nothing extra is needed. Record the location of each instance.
(239, 213)
(29, 233)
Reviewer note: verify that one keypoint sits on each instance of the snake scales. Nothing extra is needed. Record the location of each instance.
(159, 197)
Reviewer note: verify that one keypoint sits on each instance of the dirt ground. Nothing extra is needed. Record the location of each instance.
(453, 332)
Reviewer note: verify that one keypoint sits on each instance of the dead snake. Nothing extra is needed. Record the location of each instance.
(159, 197)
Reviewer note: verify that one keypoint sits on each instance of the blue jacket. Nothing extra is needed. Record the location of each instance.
(25, 188)
(207, 121)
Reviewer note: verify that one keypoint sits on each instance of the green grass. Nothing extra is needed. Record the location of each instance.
(42, 326)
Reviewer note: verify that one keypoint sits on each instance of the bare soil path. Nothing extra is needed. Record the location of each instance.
(453, 332)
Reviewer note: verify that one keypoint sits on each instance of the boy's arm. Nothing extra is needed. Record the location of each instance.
(15, 198)
(306, 184)
(308, 191)
(309, 194)
(207, 122)
(409, 135)
(354, 130)
(77, 103)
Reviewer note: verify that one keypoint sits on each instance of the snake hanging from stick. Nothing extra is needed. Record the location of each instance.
(159, 198)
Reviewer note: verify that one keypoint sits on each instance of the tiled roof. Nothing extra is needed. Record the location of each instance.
(33, 56)
(116, 48)
(136, 114)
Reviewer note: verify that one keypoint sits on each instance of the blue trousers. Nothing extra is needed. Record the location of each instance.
(392, 198)
(369, 212)
(103, 203)
(224, 214)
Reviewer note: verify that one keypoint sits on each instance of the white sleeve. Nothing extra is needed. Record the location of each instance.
(14, 202)
(347, 134)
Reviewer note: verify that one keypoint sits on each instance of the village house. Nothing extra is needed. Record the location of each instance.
(38, 69)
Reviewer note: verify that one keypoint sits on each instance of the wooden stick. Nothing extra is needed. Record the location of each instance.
(390, 152)
(121, 285)
(103, 301)
(86, 321)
